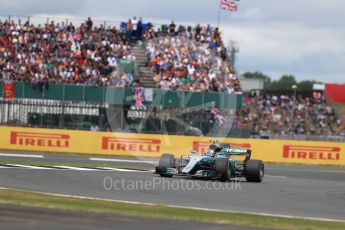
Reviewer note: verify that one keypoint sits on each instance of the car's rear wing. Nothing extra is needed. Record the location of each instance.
(239, 152)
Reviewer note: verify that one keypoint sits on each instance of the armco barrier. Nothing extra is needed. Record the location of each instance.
(67, 141)
(124, 96)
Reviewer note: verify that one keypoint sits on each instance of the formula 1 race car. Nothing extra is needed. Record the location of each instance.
(219, 162)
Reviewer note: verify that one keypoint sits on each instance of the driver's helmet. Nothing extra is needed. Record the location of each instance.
(216, 147)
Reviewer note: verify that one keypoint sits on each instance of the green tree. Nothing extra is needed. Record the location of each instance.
(284, 83)
(306, 85)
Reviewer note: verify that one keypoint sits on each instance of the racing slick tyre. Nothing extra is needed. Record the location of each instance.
(254, 171)
(167, 160)
(223, 169)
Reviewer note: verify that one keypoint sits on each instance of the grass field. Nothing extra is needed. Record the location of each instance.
(30, 199)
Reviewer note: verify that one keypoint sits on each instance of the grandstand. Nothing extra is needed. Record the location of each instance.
(288, 117)
(59, 53)
(190, 59)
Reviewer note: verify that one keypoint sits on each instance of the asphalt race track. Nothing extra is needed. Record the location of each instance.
(293, 190)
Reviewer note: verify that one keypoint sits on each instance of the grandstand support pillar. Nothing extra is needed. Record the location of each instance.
(294, 87)
(121, 122)
(232, 50)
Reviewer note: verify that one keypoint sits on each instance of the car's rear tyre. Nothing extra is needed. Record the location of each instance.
(254, 171)
(223, 169)
(167, 160)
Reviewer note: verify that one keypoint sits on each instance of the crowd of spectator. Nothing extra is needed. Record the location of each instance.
(60, 53)
(182, 58)
(190, 59)
(285, 115)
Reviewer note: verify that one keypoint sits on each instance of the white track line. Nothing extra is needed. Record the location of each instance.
(283, 177)
(74, 168)
(21, 155)
(126, 170)
(121, 160)
(29, 167)
(98, 169)
(185, 207)
(61, 167)
(47, 167)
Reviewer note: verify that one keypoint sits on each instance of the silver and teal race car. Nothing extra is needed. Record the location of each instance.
(220, 162)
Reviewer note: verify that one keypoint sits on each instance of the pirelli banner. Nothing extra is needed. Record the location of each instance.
(108, 143)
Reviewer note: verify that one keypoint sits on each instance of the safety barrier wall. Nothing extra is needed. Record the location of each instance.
(115, 144)
(124, 96)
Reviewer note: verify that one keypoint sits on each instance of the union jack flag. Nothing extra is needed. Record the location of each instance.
(228, 5)
(139, 96)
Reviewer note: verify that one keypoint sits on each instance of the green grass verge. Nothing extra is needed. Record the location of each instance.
(31, 199)
(71, 164)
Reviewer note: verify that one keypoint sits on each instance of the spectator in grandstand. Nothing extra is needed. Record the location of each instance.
(135, 27)
(94, 127)
(129, 30)
(172, 28)
(139, 34)
(89, 24)
(55, 53)
(191, 60)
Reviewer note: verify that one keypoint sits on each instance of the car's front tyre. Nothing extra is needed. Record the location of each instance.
(167, 160)
(222, 169)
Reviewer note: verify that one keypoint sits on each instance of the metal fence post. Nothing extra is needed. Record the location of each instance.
(8, 111)
(41, 106)
(62, 117)
(83, 93)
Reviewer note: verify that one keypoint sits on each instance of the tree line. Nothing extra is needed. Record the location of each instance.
(285, 82)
